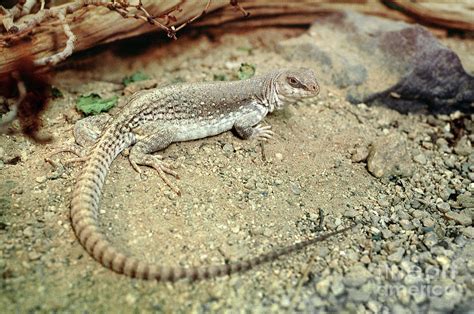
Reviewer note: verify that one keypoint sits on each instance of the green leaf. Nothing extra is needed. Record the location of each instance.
(135, 77)
(246, 71)
(93, 104)
(220, 77)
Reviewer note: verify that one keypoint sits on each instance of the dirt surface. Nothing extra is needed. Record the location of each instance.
(240, 198)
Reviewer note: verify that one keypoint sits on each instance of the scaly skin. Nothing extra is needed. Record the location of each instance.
(151, 121)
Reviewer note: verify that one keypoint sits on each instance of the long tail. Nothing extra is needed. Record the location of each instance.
(84, 217)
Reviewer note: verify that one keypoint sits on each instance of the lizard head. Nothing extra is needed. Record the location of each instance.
(293, 85)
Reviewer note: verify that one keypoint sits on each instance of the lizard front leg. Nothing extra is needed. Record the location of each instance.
(153, 137)
(248, 125)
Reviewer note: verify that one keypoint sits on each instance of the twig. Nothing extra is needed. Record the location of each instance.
(67, 51)
(10, 116)
(236, 4)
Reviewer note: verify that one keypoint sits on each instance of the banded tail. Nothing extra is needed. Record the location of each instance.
(84, 217)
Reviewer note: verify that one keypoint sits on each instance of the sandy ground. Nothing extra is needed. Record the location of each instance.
(240, 198)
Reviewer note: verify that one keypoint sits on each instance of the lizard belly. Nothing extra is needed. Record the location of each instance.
(202, 129)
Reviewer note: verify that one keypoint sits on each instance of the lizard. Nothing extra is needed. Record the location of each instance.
(153, 119)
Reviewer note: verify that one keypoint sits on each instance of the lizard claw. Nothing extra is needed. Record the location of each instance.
(262, 133)
(70, 149)
(163, 168)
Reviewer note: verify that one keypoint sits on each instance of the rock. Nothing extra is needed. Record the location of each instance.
(357, 276)
(443, 207)
(463, 146)
(418, 71)
(337, 287)
(279, 156)
(420, 158)
(33, 256)
(28, 231)
(323, 286)
(468, 232)
(228, 148)
(448, 300)
(351, 213)
(397, 256)
(389, 157)
(465, 200)
(360, 154)
(460, 217)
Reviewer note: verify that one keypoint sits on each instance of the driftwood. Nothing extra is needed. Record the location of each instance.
(94, 26)
(450, 14)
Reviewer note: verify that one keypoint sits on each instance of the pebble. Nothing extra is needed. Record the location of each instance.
(463, 146)
(33, 256)
(459, 217)
(279, 156)
(397, 256)
(443, 207)
(420, 158)
(337, 287)
(350, 213)
(323, 286)
(41, 179)
(28, 231)
(228, 148)
(360, 154)
(357, 276)
(388, 156)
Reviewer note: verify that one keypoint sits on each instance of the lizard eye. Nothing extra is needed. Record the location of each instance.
(293, 82)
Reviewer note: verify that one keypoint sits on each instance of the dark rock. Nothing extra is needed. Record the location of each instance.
(379, 61)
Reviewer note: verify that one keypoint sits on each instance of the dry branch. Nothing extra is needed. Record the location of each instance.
(94, 26)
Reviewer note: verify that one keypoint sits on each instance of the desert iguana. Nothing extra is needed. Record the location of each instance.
(152, 120)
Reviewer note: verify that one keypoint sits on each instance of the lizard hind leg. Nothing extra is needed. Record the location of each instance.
(86, 132)
(155, 139)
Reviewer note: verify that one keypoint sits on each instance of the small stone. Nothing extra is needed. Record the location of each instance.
(443, 260)
(406, 224)
(351, 213)
(285, 301)
(465, 200)
(468, 232)
(443, 207)
(388, 157)
(33, 256)
(323, 286)
(397, 256)
(41, 179)
(383, 202)
(428, 222)
(235, 229)
(459, 217)
(430, 240)
(279, 156)
(463, 146)
(130, 299)
(374, 306)
(337, 286)
(228, 148)
(420, 158)
(28, 231)
(295, 188)
(403, 295)
(365, 259)
(357, 276)
(360, 154)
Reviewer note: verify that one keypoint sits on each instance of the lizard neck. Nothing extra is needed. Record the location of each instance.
(269, 93)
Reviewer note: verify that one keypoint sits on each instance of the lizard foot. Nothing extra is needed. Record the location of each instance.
(71, 149)
(156, 162)
(262, 133)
